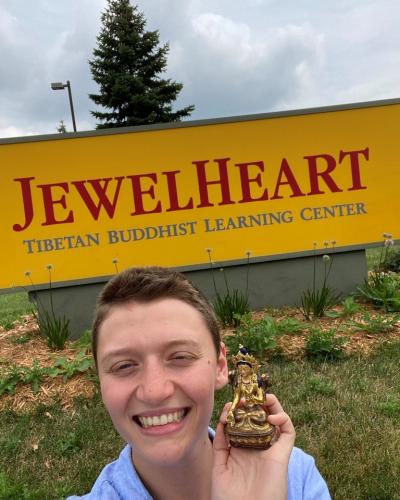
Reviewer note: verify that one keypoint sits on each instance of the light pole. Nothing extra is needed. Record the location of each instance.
(61, 86)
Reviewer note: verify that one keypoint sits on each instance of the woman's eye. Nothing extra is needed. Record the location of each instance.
(183, 356)
(123, 367)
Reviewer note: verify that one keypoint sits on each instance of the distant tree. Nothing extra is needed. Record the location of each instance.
(62, 129)
(127, 65)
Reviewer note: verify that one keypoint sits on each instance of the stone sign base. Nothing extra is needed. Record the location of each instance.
(274, 283)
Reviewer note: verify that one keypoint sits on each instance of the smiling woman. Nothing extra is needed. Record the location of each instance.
(165, 364)
(159, 358)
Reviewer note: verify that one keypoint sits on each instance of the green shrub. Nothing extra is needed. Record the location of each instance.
(9, 380)
(35, 374)
(382, 290)
(69, 367)
(53, 328)
(349, 307)
(230, 307)
(377, 323)
(289, 326)
(258, 336)
(317, 300)
(84, 341)
(389, 257)
(392, 263)
(324, 345)
(21, 339)
(314, 303)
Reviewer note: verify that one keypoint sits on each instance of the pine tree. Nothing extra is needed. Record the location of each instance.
(127, 64)
(62, 129)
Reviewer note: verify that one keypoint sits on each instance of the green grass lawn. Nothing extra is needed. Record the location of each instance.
(12, 307)
(347, 415)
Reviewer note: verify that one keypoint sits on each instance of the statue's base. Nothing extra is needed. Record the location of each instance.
(245, 439)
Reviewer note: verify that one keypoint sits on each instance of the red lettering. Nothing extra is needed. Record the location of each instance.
(139, 192)
(286, 171)
(213, 188)
(325, 174)
(49, 202)
(245, 181)
(203, 183)
(355, 166)
(27, 202)
(100, 190)
(173, 193)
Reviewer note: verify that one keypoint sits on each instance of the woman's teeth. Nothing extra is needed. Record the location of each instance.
(163, 419)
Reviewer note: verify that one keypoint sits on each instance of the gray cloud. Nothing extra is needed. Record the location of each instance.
(233, 57)
(246, 72)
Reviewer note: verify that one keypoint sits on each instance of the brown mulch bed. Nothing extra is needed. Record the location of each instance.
(23, 354)
(359, 342)
(51, 391)
(57, 390)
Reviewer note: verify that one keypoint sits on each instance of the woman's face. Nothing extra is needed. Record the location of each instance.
(158, 370)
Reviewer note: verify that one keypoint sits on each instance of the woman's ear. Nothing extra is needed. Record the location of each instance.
(222, 368)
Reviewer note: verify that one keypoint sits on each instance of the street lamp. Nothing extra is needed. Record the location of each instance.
(61, 86)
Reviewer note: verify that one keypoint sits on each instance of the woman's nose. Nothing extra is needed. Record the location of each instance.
(154, 385)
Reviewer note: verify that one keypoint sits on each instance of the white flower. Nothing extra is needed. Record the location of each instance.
(326, 258)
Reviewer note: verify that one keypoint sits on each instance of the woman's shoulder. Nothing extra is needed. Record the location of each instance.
(305, 480)
(117, 481)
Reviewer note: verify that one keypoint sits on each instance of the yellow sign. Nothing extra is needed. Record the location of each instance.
(266, 184)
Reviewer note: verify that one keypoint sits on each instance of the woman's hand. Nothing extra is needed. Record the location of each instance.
(240, 473)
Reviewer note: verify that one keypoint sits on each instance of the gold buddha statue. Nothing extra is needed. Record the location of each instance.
(247, 425)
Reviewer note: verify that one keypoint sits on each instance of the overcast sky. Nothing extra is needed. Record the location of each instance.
(233, 56)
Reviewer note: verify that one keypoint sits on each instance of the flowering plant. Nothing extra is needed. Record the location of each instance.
(382, 288)
(390, 256)
(54, 328)
(230, 305)
(317, 300)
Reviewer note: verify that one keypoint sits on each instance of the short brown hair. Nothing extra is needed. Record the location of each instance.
(145, 284)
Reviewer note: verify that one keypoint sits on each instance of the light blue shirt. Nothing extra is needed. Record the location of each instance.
(120, 481)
